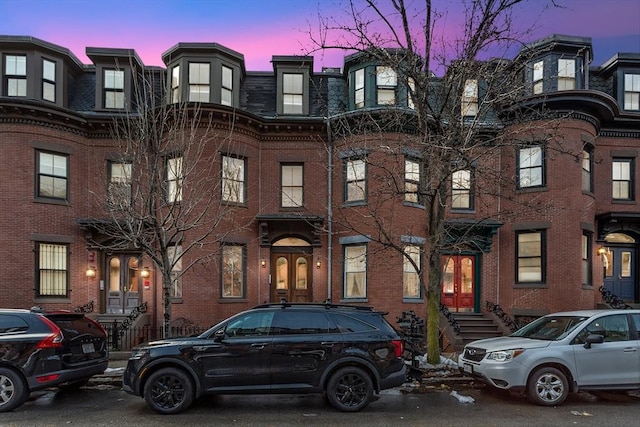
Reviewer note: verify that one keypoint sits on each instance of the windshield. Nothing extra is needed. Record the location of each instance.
(550, 328)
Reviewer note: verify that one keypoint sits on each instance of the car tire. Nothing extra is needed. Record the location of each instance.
(13, 390)
(350, 389)
(169, 391)
(547, 386)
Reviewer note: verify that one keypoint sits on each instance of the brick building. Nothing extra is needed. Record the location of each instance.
(297, 183)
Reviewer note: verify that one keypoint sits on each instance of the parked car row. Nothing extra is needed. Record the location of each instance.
(348, 353)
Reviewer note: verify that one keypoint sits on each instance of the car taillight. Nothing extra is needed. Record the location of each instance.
(47, 378)
(54, 339)
(398, 345)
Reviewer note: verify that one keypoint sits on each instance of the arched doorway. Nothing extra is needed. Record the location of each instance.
(620, 266)
(458, 282)
(291, 270)
(123, 283)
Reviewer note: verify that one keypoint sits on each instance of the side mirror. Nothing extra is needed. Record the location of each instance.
(593, 339)
(218, 335)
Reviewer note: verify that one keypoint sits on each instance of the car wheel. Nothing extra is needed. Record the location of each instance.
(548, 387)
(350, 389)
(169, 391)
(13, 391)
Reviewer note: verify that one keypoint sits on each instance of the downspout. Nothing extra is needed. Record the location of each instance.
(329, 207)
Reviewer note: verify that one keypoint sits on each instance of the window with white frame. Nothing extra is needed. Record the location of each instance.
(175, 85)
(233, 271)
(632, 91)
(119, 190)
(386, 82)
(15, 72)
(412, 181)
(292, 185)
(470, 98)
(622, 179)
(411, 93)
(48, 80)
(292, 93)
(199, 82)
(233, 179)
(566, 74)
(355, 271)
(587, 264)
(410, 276)
(53, 270)
(226, 91)
(538, 77)
(587, 170)
(531, 167)
(175, 179)
(530, 251)
(174, 256)
(53, 175)
(355, 180)
(461, 194)
(358, 89)
(113, 89)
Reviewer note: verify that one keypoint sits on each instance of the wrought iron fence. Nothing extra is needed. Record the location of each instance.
(121, 338)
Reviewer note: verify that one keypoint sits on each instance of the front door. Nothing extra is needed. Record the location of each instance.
(619, 274)
(122, 283)
(291, 277)
(458, 282)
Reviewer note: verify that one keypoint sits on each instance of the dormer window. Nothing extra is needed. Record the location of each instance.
(538, 77)
(48, 80)
(359, 88)
(226, 91)
(199, 78)
(386, 83)
(16, 75)
(470, 98)
(566, 74)
(632, 92)
(175, 84)
(113, 89)
(292, 93)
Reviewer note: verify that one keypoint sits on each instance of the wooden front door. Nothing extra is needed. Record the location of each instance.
(291, 277)
(458, 282)
(123, 281)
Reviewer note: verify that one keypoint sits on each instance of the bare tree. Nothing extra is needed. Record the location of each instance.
(455, 123)
(164, 192)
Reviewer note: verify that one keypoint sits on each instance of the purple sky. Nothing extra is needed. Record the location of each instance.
(260, 29)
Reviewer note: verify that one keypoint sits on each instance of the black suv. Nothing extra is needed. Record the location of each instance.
(40, 350)
(348, 352)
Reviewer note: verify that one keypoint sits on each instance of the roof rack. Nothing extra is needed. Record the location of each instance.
(284, 304)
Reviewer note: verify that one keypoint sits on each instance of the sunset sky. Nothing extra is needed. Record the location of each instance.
(260, 29)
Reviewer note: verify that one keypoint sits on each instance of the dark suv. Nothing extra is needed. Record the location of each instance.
(348, 352)
(46, 349)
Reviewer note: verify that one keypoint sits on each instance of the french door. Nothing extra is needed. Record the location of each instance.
(291, 277)
(620, 272)
(123, 282)
(458, 282)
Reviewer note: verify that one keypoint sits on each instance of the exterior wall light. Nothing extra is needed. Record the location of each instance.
(145, 273)
(263, 263)
(318, 263)
(91, 272)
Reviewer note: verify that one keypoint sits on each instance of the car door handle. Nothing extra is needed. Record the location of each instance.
(630, 350)
(327, 344)
(259, 345)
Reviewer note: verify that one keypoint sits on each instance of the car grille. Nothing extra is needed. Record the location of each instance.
(474, 354)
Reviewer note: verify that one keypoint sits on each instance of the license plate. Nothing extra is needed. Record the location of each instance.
(88, 348)
(468, 368)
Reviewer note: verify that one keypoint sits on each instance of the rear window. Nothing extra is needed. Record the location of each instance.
(10, 324)
(73, 325)
(350, 324)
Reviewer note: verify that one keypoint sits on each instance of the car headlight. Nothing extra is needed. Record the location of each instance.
(138, 354)
(505, 355)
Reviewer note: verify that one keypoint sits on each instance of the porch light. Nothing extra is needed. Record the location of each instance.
(263, 263)
(318, 263)
(602, 250)
(145, 273)
(91, 272)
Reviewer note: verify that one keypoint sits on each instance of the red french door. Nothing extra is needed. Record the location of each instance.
(458, 282)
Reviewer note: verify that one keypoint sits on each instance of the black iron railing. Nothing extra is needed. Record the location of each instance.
(613, 300)
(450, 318)
(507, 320)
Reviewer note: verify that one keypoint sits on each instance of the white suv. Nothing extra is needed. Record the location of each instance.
(561, 352)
